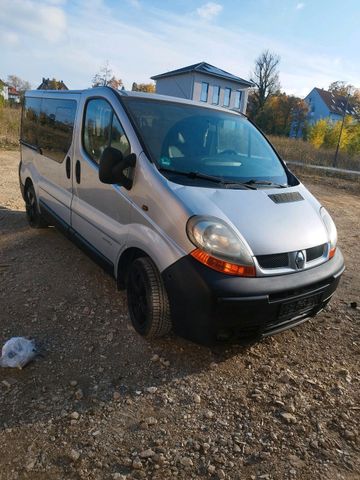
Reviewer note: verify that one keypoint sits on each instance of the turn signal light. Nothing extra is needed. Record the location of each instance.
(332, 253)
(222, 266)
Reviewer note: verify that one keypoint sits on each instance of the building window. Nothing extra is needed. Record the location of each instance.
(238, 96)
(204, 91)
(216, 95)
(227, 95)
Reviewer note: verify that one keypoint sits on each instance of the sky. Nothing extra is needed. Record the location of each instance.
(317, 40)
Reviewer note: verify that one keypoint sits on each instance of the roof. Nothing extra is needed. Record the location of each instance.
(206, 68)
(47, 83)
(336, 103)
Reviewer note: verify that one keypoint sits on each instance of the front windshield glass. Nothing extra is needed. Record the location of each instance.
(186, 138)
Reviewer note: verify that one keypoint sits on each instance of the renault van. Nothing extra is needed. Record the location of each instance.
(187, 205)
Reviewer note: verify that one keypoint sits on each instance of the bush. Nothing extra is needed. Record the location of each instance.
(9, 126)
(298, 150)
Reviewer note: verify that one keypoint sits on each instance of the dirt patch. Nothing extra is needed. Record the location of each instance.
(102, 403)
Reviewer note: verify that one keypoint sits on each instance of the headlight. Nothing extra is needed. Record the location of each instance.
(219, 247)
(331, 229)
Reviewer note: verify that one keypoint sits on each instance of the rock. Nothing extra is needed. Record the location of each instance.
(209, 414)
(211, 469)
(79, 394)
(155, 358)
(197, 398)
(151, 421)
(353, 305)
(349, 435)
(9, 382)
(288, 417)
(147, 453)
(116, 396)
(213, 365)
(75, 415)
(221, 474)
(151, 389)
(137, 464)
(296, 461)
(74, 455)
(73, 383)
(30, 464)
(186, 462)
(118, 476)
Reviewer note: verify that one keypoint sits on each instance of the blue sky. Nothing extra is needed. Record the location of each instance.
(317, 40)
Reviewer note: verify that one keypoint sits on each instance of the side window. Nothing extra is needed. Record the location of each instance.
(102, 129)
(30, 119)
(227, 94)
(56, 127)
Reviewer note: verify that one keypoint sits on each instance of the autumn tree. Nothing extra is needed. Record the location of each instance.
(283, 114)
(106, 78)
(18, 83)
(265, 77)
(143, 87)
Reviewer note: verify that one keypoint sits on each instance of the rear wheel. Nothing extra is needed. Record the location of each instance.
(33, 214)
(147, 299)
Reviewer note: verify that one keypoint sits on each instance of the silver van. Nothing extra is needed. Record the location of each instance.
(187, 205)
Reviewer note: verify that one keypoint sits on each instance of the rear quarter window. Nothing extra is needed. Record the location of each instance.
(56, 124)
(30, 119)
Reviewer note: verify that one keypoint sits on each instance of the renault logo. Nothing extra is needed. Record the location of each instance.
(300, 260)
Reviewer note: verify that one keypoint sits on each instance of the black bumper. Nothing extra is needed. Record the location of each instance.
(208, 306)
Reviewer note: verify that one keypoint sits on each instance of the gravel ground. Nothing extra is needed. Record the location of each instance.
(102, 403)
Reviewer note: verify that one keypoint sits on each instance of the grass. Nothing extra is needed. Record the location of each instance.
(300, 151)
(9, 127)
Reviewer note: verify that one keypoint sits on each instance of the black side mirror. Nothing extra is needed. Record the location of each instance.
(112, 166)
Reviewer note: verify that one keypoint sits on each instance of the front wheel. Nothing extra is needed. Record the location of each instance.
(33, 214)
(147, 299)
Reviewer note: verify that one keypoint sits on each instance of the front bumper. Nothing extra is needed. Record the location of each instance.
(208, 306)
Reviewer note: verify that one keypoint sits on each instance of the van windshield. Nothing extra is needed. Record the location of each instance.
(204, 145)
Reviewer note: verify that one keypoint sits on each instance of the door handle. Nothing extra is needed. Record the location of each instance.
(78, 171)
(68, 167)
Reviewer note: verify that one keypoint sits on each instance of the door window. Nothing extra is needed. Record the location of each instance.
(102, 129)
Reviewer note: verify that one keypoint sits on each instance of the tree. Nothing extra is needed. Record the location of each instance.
(265, 78)
(143, 87)
(283, 114)
(106, 78)
(18, 83)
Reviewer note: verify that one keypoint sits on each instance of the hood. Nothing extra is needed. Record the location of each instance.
(266, 226)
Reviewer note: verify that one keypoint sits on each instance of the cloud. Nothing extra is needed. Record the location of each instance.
(300, 6)
(42, 19)
(135, 3)
(209, 10)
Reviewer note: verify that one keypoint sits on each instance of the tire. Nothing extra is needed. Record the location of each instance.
(147, 299)
(33, 214)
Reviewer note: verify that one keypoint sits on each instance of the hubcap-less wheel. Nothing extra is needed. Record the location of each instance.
(32, 211)
(147, 299)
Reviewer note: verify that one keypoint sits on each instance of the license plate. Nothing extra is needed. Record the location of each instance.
(299, 306)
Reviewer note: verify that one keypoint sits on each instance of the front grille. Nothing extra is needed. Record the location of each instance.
(283, 260)
(277, 260)
(315, 252)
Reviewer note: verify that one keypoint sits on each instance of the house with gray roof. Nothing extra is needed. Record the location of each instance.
(205, 83)
(327, 105)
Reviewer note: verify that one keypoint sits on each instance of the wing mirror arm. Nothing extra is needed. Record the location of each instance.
(113, 165)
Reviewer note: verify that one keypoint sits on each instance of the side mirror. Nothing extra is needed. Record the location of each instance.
(113, 165)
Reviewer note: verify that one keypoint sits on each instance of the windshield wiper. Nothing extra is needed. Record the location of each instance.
(211, 178)
(265, 182)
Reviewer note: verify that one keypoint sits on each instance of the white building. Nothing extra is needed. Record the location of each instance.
(205, 83)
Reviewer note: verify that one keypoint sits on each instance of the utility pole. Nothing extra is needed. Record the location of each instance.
(341, 129)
